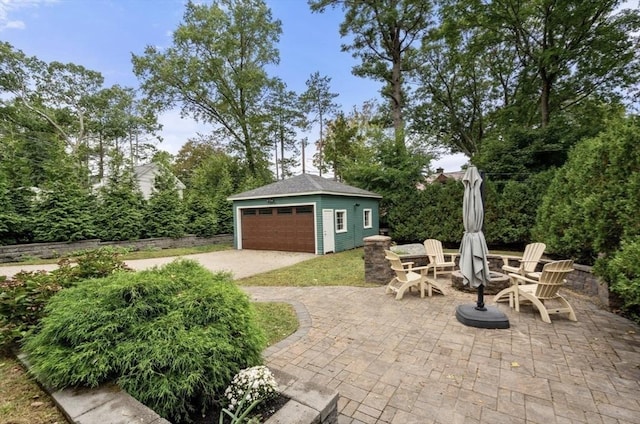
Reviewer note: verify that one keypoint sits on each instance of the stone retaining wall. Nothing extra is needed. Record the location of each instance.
(18, 252)
(581, 280)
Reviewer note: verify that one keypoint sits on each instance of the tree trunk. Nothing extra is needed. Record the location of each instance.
(544, 98)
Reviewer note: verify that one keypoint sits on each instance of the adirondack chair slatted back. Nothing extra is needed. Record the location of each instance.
(531, 256)
(434, 251)
(552, 277)
(396, 265)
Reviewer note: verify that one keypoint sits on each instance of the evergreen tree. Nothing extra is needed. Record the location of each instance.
(10, 221)
(63, 212)
(165, 213)
(121, 212)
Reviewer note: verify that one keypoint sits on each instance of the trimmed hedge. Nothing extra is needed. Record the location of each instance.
(172, 337)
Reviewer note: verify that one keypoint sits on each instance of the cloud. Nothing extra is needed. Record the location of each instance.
(10, 7)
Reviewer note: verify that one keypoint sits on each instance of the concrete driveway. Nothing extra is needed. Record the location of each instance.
(241, 263)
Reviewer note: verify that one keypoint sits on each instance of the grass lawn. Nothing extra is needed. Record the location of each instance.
(21, 399)
(337, 269)
(278, 320)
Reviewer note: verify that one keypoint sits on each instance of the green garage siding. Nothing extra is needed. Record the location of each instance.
(353, 207)
(304, 191)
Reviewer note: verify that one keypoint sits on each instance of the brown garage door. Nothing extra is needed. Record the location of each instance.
(279, 228)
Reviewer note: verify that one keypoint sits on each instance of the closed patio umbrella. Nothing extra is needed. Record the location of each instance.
(473, 249)
(473, 256)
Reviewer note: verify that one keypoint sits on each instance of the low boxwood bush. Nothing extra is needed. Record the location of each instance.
(24, 297)
(172, 337)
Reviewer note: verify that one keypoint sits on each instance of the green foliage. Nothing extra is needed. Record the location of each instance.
(437, 213)
(64, 213)
(622, 271)
(22, 299)
(394, 173)
(384, 35)
(172, 337)
(201, 215)
(214, 77)
(22, 302)
(511, 214)
(593, 200)
(165, 213)
(121, 207)
(9, 218)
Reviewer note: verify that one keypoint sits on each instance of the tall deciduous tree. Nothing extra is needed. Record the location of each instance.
(566, 50)
(318, 102)
(215, 70)
(385, 35)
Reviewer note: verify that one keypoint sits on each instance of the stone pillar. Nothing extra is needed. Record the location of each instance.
(376, 267)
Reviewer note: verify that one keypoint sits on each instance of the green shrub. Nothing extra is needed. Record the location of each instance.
(22, 302)
(592, 202)
(23, 299)
(622, 271)
(172, 337)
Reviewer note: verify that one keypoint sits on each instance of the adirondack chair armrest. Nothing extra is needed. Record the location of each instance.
(453, 256)
(408, 265)
(506, 258)
(421, 269)
(520, 277)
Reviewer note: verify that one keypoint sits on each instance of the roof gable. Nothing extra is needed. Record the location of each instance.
(303, 184)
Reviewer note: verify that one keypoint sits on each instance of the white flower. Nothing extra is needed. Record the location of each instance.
(251, 384)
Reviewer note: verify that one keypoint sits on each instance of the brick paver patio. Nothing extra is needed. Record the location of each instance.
(411, 361)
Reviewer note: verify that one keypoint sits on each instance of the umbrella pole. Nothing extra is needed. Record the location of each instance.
(480, 303)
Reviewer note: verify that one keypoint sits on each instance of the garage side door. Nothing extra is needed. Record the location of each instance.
(289, 229)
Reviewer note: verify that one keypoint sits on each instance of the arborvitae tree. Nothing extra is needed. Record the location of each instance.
(593, 201)
(201, 214)
(223, 207)
(440, 212)
(165, 213)
(121, 212)
(10, 221)
(63, 212)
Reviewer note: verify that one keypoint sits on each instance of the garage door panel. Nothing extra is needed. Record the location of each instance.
(279, 228)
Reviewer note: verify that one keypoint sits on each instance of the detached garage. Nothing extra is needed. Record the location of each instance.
(305, 213)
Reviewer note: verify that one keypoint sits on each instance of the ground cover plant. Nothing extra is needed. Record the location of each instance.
(172, 337)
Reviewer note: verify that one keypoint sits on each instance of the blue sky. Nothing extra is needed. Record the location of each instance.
(101, 35)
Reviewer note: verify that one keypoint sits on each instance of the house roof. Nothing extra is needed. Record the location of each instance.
(140, 170)
(301, 185)
(443, 176)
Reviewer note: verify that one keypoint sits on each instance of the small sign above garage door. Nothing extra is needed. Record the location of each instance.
(286, 228)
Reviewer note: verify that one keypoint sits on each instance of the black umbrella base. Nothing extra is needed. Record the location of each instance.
(491, 318)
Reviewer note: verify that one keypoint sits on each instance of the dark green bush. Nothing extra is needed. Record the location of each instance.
(622, 271)
(593, 201)
(23, 299)
(172, 337)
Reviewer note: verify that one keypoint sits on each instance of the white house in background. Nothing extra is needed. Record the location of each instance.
(146, 176)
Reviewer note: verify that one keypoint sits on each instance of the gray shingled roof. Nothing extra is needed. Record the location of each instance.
(303, 184)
